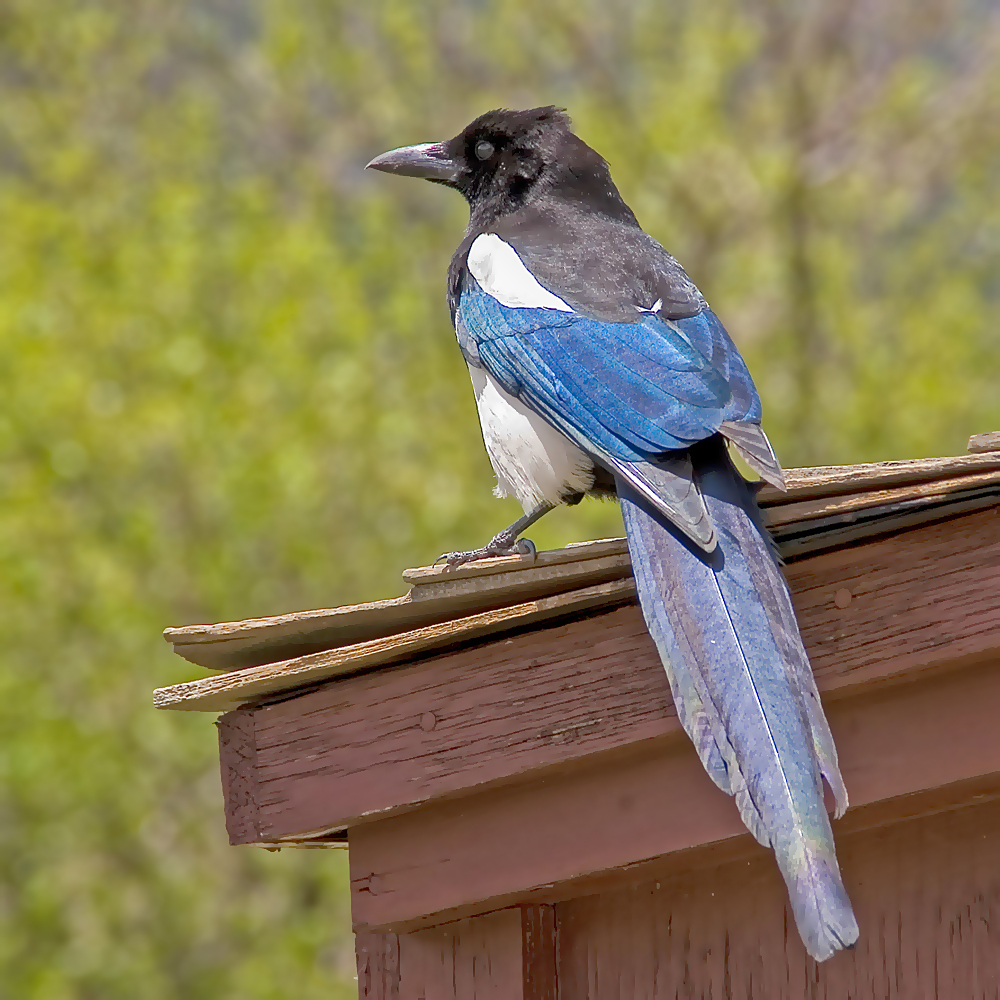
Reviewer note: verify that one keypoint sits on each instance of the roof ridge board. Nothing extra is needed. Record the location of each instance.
(820, 525)
(261, 642)
(872, 474)
(834, 480)
(422, 576)
(220, 631)
(843, 532)
(224, 691)
(802, 511)
(428, 583)
(514, 578)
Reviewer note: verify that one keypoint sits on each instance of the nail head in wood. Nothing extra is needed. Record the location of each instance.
(842, 598)
(428, 721)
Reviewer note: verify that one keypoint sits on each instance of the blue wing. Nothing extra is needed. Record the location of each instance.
(630, 391)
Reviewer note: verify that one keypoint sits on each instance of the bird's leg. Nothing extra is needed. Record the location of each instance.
(503, 543)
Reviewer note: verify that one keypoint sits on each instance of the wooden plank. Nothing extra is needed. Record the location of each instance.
(238, 767)
(389, 740)
(440, 580)
(806, 539)
(555, 834)
(982, 443)
(927, 897)
(507, 954)
(902, 604)
(464, 959)
(439, 593)
(377, 958)
(229, 690)
(831, 480)
(538, 951)
(806, 510)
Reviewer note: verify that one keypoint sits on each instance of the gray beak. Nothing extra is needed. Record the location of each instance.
(429, 160)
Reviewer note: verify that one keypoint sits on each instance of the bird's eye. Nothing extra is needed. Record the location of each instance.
(484, 149)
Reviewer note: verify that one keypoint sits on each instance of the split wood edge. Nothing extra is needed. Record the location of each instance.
(224, 692)
(982, 443)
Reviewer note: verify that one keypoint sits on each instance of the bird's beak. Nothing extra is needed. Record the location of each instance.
(429, 160)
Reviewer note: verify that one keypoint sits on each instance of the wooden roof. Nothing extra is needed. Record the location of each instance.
(561, 728)
(824, 509)
(489, 773)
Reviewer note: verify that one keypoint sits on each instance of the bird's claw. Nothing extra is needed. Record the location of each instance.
(526, 549)
(499, 546)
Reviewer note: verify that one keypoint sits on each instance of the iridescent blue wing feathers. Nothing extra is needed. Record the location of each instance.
(636, 389)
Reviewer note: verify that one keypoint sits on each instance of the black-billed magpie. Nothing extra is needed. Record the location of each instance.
(599, 368)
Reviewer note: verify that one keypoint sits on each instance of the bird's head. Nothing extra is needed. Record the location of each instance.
(505, 159)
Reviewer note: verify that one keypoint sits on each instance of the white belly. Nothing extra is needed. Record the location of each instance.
(533, 461)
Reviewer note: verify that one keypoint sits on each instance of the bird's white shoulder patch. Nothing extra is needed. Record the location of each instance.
(500, 272)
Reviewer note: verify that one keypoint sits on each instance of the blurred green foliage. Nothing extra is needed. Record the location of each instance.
(230, 387)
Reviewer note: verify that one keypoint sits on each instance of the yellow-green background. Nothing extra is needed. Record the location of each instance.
(229, 386)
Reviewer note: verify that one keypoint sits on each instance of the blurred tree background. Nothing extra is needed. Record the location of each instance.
(230, 387)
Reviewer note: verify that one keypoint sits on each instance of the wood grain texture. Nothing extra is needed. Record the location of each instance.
(501, 572)
(509, 954)
(538, 951)
(982, 443)
(345, 753)
(378, 966)
(831, 480)
(230, 690)
(477, 959)
(916, 600)
(807, 510)
(495, 848)
(927, 897)
(238, 767)
(438, 594)
(805, 539)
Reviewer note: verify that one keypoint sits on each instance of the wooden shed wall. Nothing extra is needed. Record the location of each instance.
(926, 892)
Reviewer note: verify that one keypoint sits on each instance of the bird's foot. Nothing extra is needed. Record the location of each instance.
(502, 544)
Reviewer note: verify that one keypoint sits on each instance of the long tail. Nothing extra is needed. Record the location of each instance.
(744, 689)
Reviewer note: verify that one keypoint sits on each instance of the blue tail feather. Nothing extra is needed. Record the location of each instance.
(726, 632)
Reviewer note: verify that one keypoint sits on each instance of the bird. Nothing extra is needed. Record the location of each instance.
(599, 369)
